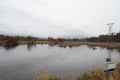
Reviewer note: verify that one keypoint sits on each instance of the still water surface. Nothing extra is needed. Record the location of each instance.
(23, 61)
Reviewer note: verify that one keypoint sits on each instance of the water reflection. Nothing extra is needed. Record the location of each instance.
(9, 47)
(63, 46)
(60, 61)
(118, 50)
(31, 46)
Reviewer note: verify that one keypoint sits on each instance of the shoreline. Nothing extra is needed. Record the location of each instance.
(109, 45)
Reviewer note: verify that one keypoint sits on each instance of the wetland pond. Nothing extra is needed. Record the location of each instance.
(22, 62)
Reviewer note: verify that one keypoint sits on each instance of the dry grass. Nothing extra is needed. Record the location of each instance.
(0, 42)
(116, 73)
(99, 74)
(44, 76)
(35, 42)
(4, 78)
(110, 45)
(104, 44)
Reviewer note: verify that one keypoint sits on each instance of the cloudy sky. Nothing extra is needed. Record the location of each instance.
(58, 18)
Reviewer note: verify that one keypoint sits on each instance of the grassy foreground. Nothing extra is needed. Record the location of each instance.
(94, 75)
(100, 75)
(97, 74)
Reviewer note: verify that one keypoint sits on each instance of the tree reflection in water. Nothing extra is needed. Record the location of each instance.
(9, 47)
(30, 46)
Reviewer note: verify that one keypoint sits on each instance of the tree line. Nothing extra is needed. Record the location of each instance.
(105, 38)
(101, 38)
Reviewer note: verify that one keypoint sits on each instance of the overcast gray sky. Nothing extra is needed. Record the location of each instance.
(58, 18)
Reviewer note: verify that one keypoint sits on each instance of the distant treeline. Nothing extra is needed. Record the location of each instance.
(21, 38)
(105, 38)
(101, 38)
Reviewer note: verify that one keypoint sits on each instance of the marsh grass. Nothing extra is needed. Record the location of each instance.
(109, 45)
(85, 76)
(97, 74)
(3, 77)
(45, 76)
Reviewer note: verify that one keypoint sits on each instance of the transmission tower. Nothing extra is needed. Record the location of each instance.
(110, 27)
(108, 59)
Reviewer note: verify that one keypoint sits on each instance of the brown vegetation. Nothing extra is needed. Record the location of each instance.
(108, 41)
(9, 41)
(98, 74)
(109, 45)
